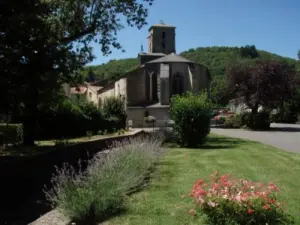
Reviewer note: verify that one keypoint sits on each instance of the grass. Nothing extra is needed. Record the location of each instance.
(166, 200)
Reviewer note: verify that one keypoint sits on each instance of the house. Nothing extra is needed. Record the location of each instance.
(87, 91)
(162, 73)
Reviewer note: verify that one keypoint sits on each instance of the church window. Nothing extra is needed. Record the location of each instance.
(177, 84)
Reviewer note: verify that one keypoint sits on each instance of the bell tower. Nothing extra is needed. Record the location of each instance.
(161, 39)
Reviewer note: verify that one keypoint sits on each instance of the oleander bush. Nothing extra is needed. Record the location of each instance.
(230, 201)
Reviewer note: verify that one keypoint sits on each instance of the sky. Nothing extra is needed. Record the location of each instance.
(271, 25)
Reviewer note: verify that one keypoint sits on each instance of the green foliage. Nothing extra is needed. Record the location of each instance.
(101, 190)
(150, 119)
(256, 121)
(233, 121)
(110, 70)
(265, 83)
(68, 119)
(114, 111)
(249, 51)
(11, 134)
(191, 115)
(51, 39)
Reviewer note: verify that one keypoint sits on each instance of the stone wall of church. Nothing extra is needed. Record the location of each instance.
(136, 88)
(182, 70)
(106, 92)
(137, 115)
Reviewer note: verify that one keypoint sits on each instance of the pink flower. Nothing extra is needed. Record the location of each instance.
(267, 207)
(250, 211)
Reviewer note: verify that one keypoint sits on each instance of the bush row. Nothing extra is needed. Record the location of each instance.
(69, 119)
(11, 134)
(258, 121)
(100, 191)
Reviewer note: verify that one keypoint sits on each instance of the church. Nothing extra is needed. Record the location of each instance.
(162, 73)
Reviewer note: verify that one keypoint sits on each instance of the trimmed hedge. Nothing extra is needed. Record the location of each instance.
(11, 134)
(191, 114)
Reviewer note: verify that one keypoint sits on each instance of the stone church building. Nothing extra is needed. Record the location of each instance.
(161, 74)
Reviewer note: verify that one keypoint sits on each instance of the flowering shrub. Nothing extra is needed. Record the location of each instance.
(227, 200)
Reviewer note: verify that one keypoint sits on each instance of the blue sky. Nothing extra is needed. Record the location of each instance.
(271, 25)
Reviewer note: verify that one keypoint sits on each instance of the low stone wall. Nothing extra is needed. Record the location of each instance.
(23, 178)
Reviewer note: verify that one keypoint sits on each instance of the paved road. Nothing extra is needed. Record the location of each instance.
(284, 136)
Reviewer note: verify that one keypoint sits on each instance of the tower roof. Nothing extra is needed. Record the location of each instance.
(170, 59)
(161, 25)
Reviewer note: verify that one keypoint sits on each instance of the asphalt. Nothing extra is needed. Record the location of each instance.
(283, 136)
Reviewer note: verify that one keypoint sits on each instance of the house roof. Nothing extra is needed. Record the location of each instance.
(161, 25)
(78, 90)
(170, 58)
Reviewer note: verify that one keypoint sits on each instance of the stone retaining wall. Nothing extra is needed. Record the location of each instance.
(23, 178)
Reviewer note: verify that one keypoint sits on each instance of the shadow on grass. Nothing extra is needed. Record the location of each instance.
(92, 220)
(215, 143)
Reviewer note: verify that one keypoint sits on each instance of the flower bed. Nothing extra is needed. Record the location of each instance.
(227, 200)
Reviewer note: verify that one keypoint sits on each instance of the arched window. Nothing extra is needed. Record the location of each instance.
(177, 84)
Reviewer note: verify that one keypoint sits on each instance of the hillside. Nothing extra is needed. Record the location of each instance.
(215, 58)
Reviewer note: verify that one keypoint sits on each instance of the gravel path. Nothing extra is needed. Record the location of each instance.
(283, 136)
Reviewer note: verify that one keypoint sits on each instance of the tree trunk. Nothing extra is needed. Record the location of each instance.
(30, 120)
(29, 130)
(254, 109)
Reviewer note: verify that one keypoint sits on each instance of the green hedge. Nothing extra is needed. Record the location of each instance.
(11, 134)
(70, 119)
(191, 115)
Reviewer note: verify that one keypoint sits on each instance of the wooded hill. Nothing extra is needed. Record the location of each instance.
(215, 58)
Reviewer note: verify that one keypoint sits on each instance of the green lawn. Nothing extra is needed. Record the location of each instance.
(162, 202)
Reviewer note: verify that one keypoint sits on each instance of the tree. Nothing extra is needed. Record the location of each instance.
(43, 43)
(264, 83)
(298, 54)
(249, 51)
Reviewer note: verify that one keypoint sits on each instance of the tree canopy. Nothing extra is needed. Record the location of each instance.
(43, 43)
(265, 83)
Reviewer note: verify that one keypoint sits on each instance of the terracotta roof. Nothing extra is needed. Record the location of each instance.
(78, 90)
(169, 59)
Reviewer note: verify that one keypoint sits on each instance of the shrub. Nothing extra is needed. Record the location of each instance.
(64, 120)
(227, 200)
(258, 121)
(109, 177)
(11, 134)
(191, 114)
(233, 122)
(96, 120)
(115, 107)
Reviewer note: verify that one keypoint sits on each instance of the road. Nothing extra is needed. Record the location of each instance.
(283, 136)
